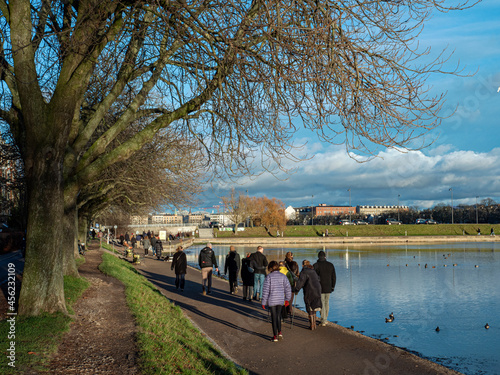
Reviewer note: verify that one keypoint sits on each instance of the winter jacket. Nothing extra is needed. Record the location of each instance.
(259, 262)
(158, 246)
(179, 262)
(309, 281)
(326, 273)
(207, 258)
(288, 275)
(146, 243)
(276, 289)
(233, 262)
(246, 275)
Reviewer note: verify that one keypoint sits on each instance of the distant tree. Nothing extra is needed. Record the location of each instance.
(237, 206)
(271, 214)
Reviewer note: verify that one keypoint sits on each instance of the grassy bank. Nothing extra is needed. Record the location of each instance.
(168, 343)
(369, 230)
(36, 338)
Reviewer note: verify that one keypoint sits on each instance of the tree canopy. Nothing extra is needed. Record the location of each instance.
(236, 78)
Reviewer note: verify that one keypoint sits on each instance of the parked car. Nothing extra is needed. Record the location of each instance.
(393, 222)
(360, 222)
(420, 221)
(345, 222)
(430, 221)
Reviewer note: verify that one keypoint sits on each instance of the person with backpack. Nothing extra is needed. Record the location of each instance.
(328, 278)
(179, 264)
(259, 263)
(207, 261)
(276, 293)
(233, 265)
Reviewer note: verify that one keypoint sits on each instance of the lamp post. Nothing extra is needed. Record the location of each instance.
(451, 189)
(477, 216)
(398, 206)
(349, 190)
(312, 208)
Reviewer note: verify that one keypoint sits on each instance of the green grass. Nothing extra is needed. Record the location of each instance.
(168, 343)
(369, 230)
(37, 338)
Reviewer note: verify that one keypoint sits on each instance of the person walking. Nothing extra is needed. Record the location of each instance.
(153, 244)
(276, 292)
(259, 263)
(179, 265)
(146, 243)
(247, 277)
(327, 279)
(309, 281)
(207, 261)
(293, 268)
(233, 265)
(158, 247)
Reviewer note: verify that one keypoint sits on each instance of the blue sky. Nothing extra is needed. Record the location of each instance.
(465, 155)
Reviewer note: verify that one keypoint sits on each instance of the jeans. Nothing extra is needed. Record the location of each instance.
(325, 303)
(258, 284)
(180, 280)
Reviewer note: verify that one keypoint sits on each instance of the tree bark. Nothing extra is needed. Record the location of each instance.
(69, 240)
(42, 288)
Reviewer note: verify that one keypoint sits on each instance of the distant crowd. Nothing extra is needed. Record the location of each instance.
(274, 284)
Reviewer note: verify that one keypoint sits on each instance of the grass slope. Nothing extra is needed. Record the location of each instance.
(368, 230)
(168, 343)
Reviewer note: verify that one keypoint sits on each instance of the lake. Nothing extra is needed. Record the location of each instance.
(450, 286)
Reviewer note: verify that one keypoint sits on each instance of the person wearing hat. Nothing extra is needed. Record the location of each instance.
(207, 261)
(327, 278)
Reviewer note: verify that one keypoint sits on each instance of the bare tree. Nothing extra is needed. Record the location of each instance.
(233, 76)
(237, 206)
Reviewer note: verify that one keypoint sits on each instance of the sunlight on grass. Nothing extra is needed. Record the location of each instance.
(167, 341)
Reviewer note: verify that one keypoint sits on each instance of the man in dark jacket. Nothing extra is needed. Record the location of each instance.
(328, 278)
(259, 264)
(309, 281)
(233, 265)
(158, 248)
(207, 261)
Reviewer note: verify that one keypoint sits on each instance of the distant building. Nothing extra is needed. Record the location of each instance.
(326, 210)
(166, 219)
(196, 218)
(140, 220)
(378, 210)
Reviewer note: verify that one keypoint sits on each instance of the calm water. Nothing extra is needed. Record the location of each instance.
(451, 293)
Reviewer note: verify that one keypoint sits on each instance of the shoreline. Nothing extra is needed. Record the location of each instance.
(347, 240)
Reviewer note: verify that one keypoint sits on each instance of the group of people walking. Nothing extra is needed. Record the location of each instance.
(274, 284)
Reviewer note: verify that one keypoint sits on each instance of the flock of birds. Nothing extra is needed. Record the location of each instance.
(445, 265)
(391, 318)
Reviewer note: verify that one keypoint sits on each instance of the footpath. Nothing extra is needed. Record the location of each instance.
(242, 331)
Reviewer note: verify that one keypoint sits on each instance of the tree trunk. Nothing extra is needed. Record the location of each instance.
(69, 240)
(42, 287)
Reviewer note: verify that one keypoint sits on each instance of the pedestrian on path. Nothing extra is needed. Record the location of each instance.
(179, 264)
(233, 265)
(247, 277)
(259, 263)
(207, 261)
(284, 270)
(309, 280)
(276, 292)
(293, 268)
(146, 243)
(327, 278)
(158, 247)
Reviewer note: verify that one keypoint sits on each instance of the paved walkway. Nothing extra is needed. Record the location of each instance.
(241, 329)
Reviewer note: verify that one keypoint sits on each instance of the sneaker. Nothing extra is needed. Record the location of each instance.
(280, 336)
(209, 292)
(274, 339)
(323, 324)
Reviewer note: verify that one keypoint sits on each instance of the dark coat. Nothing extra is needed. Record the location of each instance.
(259, 262)
(309, 281)
(207, 258)
(179, 262)
(246, 275)
(326, 273)
(158, 246)
(233, 262)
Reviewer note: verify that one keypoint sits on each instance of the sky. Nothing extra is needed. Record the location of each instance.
(465, 154)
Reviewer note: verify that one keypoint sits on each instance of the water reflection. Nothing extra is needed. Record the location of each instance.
(453, 286)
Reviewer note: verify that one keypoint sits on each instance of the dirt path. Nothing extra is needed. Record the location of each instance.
(101, 340)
